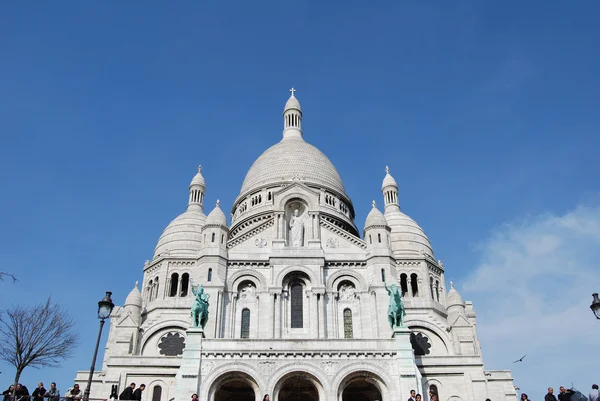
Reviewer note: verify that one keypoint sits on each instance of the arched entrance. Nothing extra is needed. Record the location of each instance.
(235, 386)
(297, 386)
(361, 387)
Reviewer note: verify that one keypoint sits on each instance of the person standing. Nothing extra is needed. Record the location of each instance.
(594, 393)
(565, 395)
(413, 395)
(22, 393)
(137, 394)
(53, 394)
(39, 392)
(550, 396)
(127, 393)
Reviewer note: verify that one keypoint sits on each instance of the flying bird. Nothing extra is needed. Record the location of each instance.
(521, 359)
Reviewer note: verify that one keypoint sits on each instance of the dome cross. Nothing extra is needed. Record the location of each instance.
(200, 168)
(387, 169)
(293, 90)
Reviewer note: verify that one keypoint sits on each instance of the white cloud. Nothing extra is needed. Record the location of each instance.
(532, 290)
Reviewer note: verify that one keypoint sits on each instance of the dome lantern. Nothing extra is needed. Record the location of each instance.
(389, 187)
(197, 189)
(292, 118)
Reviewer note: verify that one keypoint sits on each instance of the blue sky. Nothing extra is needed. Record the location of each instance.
(486, 113)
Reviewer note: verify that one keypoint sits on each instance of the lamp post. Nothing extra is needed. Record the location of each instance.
(595, 306)
(105, 307)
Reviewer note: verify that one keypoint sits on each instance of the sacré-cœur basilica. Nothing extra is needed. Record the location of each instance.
(298, 302)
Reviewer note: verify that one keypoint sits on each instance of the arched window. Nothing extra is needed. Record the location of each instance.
(379, 238)
(212, 237)
(347, 323)
(149, 290)
(222, 238)
(383, 275)
(296, 306)
(434, 390)
(157, 393)
(431, 287)
(209, 275)
(437, 290)
(414, 285)
(185, 283)
(404, 283)
(155, 292)
(370, 239)
(174, 284)
(245, 332)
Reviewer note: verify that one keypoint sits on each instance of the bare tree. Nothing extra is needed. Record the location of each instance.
(5, 274)
(36, 336)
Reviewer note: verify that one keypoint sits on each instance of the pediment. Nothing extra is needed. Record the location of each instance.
(461, 321)
(333, 239)
(127, 321)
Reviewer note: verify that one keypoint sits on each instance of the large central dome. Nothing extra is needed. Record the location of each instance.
(290, 159)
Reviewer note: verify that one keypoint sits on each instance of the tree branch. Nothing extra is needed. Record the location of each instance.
(5, 274)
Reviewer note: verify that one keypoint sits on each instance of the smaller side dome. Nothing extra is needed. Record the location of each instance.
(134, 298)
(216, 217)
(453, 297)
(388, 180)
(375, 218)
(198, 179)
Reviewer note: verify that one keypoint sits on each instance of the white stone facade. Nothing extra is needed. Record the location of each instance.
(298, 304)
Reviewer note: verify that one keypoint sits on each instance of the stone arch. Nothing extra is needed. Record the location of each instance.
(345, 274)
(301, 193)
(454, 398)
(431, 330)
(367, 372)
(172, 325)
(302, 371)
(429, 382)
(150, 386)
(238, 373)
(291, 269)
(237, 278)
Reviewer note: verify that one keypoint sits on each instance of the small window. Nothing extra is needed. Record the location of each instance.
(213, 237)
(414, 284)
(383, 275)
(245, 333)
(437, 290)
(185, 283)
(296, 306)
(209, 275)
(404, 283)
(157, 393)
(174, 284)
(347, 323)
(431, 287)
(370, 239)
(222, 238)
(379, 238)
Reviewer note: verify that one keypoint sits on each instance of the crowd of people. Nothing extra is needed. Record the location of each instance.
(21, 393)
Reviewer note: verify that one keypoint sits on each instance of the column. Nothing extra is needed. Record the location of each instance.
(374, 315)
(322, 312)
(314, 317)
(277, 298)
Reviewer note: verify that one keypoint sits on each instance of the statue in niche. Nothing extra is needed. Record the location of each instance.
(296, 237)
(347, 292)
(248, 291)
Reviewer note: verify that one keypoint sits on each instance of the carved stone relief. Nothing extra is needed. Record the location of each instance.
(347, 292)
(260, 242)
(332, 243)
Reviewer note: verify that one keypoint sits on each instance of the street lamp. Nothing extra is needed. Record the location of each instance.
(595, 306)
(105, 307)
